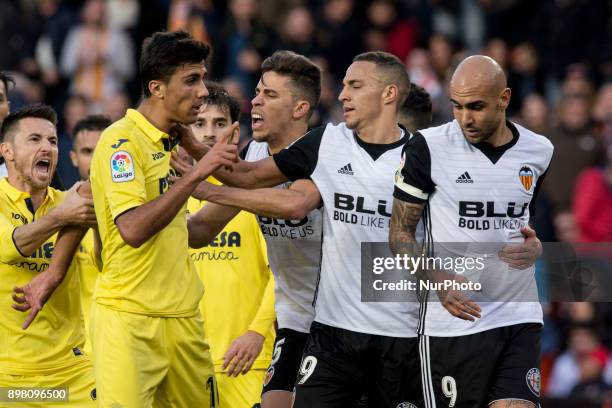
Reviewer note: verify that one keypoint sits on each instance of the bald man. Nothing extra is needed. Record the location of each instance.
(478, 177)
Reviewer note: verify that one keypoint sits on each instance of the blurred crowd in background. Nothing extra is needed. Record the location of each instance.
(81, 57)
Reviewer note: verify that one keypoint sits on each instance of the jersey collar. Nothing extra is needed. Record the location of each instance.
(145, 126)
(17, 195)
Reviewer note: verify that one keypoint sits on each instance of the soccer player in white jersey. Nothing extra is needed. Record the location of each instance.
(354, 346)
(286, 96)
(477, 178)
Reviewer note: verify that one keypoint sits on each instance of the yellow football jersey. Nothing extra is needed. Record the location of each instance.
(88, 275)
(130, 167)
(56, 336)
(239, 286)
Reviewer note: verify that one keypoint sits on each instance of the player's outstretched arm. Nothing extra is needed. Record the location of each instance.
(74, 210)
(35, 294)
(243, 174)
(207, 223)
(138, 225)
(293, 203)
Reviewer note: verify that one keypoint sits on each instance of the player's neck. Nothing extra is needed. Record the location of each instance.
(287, 136)
(156, 115)
(36, 194)
(501, 136)
(383, 130)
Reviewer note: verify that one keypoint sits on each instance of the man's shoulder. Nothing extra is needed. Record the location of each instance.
(119, 134)
(529, 136)
(445, 131)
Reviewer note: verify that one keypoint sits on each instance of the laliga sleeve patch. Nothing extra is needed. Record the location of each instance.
(122, 167)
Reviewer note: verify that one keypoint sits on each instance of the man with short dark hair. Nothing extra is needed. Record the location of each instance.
(49, 354)
(286, 95)
(147, 333)
(416, 111)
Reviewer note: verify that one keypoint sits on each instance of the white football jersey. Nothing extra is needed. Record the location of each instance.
(482, 195)
(294, 253)
(355, 180)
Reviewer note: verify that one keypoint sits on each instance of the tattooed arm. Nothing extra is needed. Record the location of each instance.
(404, 220)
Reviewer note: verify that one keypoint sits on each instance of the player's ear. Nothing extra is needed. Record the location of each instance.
(73, 158)
(390, 94)
(6, 150)
(157, 89)
(301, 109)
(504, 98)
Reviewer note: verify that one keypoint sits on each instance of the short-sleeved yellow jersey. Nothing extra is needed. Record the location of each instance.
(130, 167)
(239, 286)
(55, 338)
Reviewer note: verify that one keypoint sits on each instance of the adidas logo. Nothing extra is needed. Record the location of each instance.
(464, 178)
(348, 169)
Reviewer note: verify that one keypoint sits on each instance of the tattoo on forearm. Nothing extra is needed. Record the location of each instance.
(404, 220)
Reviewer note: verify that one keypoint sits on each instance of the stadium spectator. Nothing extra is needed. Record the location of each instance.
(98, 59)
(397, 34)
(576, 148)
(592, 204)
(115, 105)
(244, 44)
(592, 385)
(297, 33)
(583, 341)
(193, 16)
(340, 34)
(497, 49)
(534, 113)
(53, 21)
(526, 77)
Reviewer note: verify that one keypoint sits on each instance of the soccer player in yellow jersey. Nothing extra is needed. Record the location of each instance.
(87, 132)
(147, 333)
(234, 269)
(48, 354)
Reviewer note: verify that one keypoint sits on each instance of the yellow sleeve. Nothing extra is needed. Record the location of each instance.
(265, 316)
(122, 175)
(9, 253)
